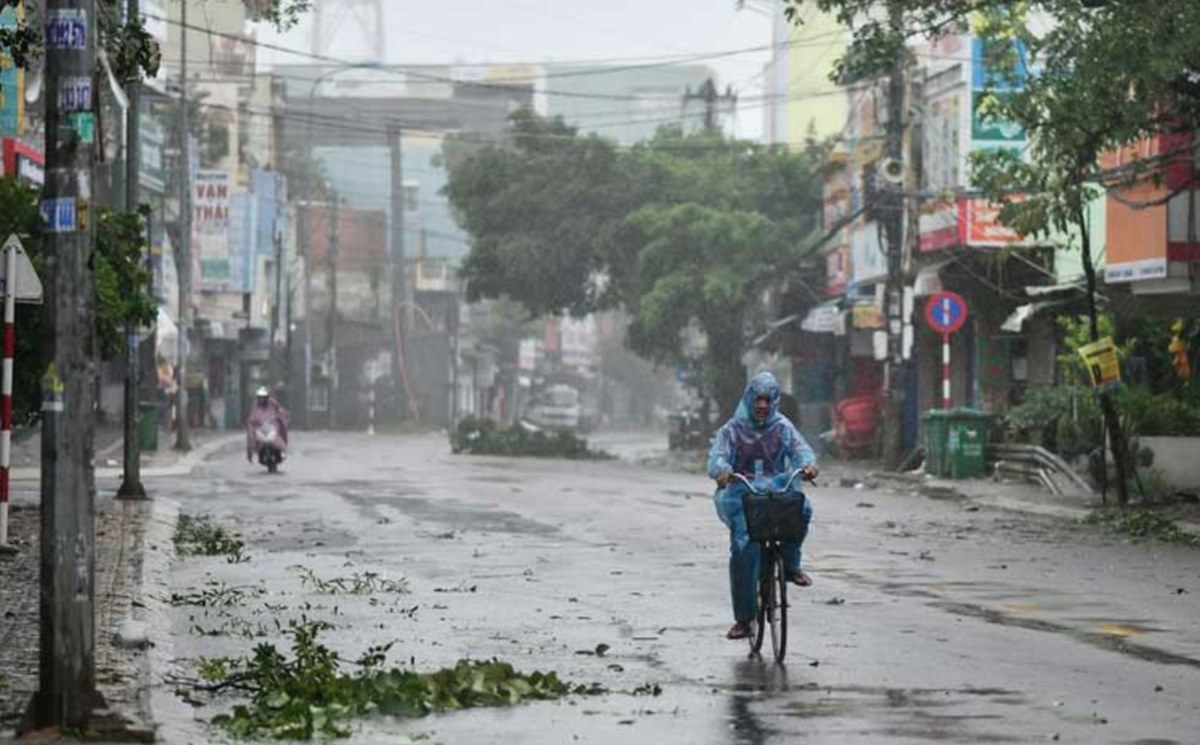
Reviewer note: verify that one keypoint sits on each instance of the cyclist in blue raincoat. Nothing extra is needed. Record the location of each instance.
(757, 441)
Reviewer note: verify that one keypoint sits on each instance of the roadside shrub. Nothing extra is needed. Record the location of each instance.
(1064, 419)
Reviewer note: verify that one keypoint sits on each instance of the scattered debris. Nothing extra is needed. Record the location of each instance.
(865, 505)
(1140, 524)
(359, 583)
(836, 601)
(200, 536)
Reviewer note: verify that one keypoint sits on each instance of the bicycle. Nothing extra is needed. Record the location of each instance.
(773, 517)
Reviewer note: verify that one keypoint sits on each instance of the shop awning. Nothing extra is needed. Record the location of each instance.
(823, 318)
(1016, 321)
(774, 326)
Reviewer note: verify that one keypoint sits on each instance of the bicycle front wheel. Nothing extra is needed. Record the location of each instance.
(778, 577)
(766, 599)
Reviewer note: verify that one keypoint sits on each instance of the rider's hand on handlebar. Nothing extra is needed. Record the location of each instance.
(811, 473)
(724, 478)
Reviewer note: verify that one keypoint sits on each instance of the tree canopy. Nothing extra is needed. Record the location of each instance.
(684, 231)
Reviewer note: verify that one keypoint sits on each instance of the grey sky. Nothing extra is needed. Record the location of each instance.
(507, 31)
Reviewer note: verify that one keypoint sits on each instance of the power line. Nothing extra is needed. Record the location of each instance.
(408, 72)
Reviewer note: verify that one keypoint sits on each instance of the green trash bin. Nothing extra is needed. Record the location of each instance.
(935, 443)
(148, 426)
(966, 443)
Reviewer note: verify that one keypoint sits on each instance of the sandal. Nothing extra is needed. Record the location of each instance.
(738, 631)
(801, 579)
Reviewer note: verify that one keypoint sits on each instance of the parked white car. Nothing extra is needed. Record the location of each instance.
(557, 407)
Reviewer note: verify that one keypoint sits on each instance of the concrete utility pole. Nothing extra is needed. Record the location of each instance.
(891, 214)
(183, 438)
(331, 320)
(67, 694)
(401, 297)
(131, 483)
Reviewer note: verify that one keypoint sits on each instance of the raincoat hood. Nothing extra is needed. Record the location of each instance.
(763, 384)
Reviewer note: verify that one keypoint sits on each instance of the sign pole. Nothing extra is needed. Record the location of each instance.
(10, 340)
(946, 372)
(946, 312)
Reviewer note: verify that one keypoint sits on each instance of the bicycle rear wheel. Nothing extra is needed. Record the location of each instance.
(777, 576)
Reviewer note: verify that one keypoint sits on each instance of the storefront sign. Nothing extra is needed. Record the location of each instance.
(866, 317)
(1136, 271)
(30, 171)
(12, 78)
(823, 319)
(939, 225)
(983, 225)
(23, 161)
(835, 271)
(210, 225)
(867, 259)
(1103, 366)
(151, 139)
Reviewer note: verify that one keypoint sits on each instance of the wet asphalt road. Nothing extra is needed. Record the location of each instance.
(929, 622)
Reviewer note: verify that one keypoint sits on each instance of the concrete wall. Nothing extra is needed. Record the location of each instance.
(1175, 458)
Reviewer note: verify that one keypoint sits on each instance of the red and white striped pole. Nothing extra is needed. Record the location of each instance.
(946, 371)
(10, 340)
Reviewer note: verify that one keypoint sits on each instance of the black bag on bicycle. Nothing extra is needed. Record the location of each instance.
(775, 517)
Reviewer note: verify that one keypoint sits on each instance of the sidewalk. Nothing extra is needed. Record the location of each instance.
(988, 492)
(165, 461)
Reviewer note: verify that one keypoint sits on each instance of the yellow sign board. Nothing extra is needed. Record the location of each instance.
(1103, 366)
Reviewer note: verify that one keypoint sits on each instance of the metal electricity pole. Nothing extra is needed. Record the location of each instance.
(712, 100)
(67, 694)
(131, 483)
(891, 214)
(183, 437)
(331, 319)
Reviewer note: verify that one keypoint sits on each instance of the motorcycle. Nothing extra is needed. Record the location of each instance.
(269, 446)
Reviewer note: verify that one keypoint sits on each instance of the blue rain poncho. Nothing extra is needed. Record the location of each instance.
(741, 444)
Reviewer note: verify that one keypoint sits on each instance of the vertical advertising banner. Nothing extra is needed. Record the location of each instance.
(210, 226)
(12, 79)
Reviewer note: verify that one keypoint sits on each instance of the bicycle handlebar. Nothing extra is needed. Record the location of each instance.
(786, 487)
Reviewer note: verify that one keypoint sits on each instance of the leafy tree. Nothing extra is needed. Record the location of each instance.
(122, 279)
(121, 284)
(684, 231)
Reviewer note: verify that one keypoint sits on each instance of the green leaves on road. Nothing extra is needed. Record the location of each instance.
(359, 583)
(484, 437)
(200, 536)
(311, 693)
(1142, 524)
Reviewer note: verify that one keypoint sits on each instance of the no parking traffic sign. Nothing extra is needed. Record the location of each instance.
(946, 312)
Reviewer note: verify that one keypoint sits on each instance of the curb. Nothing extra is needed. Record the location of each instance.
(165, 712)
(183, 467)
